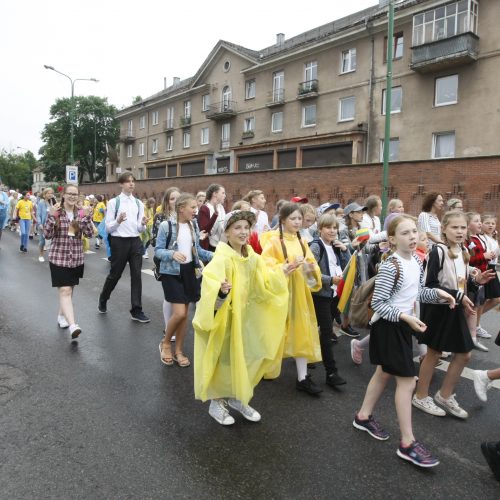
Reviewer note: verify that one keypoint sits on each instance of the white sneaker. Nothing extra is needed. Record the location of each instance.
(247, 411)
(145, 256)
(427, 404)
(75, 330)
(479, 346)
(218, 411)
(356, 352)
(41, 259)
(172, 338)
(481, 383)
(62, 322)
(481, 332)
(450, 405)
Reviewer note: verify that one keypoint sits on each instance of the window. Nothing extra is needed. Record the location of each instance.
(347, 109)
(393, 149)
(142, 121)
(446, 91)
(187, 109)
(309, 115)
(277, 122)
(249, 124)
(226, 66)
(205, 102)
(226, 98)
(129, 151)
(170, 117)
(170, 142)
(154, 117)
(397, 46)
(348, 62)
(205, 135)
(141, 149)
(443, 145)
(225, 135)
(186, 139)
(140, 172)
(396, 100)
(278, 86)
(445, 21)
(311, 71)
(130, 127)
(154, 146)
(250, 89)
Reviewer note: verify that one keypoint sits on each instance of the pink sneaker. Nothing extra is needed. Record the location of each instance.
(356, 352)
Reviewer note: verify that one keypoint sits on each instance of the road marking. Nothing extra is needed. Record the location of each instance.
(89, 251)
(148, 271)
(105, 258)
(467, 373)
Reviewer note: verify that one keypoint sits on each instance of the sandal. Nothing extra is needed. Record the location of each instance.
(167, 358)
(182, 360)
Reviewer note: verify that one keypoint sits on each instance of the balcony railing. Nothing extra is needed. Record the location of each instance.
(308, 89)
(454, 51)
(248, 134)
(224, 143)
(185, 121)
(276, 98)
(222, 110)
(127, 135)
(168, 125)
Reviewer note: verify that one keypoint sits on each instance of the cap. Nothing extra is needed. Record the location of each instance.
(236, 215)
(354, 207)
(91, 196)
(327, 206)
(299, 199)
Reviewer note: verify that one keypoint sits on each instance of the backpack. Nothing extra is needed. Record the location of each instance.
(156, 260)
(117, 206)
(360, 307)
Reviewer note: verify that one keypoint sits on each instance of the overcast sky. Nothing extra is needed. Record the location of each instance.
(129, 46)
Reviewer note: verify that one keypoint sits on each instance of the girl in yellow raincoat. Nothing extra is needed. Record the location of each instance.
(239, 344)
(301, 338)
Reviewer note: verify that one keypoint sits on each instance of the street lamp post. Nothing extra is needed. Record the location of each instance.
(72, 105)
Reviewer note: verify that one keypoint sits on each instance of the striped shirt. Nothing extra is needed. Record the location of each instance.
(429, 223)
(385, 290)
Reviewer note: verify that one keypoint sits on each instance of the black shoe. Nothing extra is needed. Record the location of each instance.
(101, 307)
(491, 452)
(140, 317)
(21, 248)
(307, 385)
(311, 366)
(334, 379)
(349, 332)
(25, 250)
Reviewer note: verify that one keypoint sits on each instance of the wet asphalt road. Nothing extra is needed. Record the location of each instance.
(103, 418)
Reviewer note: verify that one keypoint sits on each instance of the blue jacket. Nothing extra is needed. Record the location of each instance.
(168, 265)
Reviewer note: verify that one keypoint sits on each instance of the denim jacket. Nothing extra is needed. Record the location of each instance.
(321, 257)
(168, 265)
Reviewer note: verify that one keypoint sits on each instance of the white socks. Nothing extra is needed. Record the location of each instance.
(301, 368)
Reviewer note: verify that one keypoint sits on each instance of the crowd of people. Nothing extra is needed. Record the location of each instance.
(266, 290)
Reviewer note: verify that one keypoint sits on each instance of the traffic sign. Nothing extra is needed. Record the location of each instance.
(71, 174)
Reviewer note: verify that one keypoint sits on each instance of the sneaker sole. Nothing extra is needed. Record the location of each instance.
(315, 393)
(449, 412)
(101, 312)
(140, 320)
(221, 423)
(62, 327)
(243, 415)
(76, 333)
(429, 412)
(361, 428)
(413, 461)
(343, 332)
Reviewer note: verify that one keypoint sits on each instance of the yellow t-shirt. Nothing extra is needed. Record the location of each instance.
(24, 209)
(98, 216)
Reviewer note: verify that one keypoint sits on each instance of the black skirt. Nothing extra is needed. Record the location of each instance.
(65, 276)
(447, 329)
(391, 347)
(181, 289)
(492, 288)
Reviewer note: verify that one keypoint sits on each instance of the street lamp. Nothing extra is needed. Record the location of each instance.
(72, 104)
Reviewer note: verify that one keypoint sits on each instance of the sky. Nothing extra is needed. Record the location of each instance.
(130, 47)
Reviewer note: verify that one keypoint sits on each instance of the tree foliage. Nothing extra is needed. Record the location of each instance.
(95, 126)
(16, 170)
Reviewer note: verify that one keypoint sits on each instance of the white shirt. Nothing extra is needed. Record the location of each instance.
(333, 264)
(492, 246)
(460, 270)
(405, 299)
(218, 227)
(429, 223)
(262, 223)
(185, 241)
(132, 225)
(371, 223)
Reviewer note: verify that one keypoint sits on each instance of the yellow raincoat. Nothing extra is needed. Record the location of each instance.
(301, 338)
(242, 342)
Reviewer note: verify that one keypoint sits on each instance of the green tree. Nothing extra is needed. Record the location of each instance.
(16, 170)
(95, 126)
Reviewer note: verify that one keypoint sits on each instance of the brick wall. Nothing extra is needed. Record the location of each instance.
(475, 180)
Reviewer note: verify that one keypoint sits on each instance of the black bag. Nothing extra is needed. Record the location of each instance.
(156, 260)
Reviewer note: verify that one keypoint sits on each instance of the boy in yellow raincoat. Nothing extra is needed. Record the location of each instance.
(239, 344)
(301, 337)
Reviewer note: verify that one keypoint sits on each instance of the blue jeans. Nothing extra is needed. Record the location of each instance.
(25, 226)
(3, 218)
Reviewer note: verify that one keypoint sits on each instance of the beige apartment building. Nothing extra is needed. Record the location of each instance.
(317, 99)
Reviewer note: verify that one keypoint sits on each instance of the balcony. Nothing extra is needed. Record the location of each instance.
(127, 136)
(224, 144)
(222, 110)
(454, 51)
(168, 125)
(276, 98)
(185, 121)
(248, 134)
(308, 89)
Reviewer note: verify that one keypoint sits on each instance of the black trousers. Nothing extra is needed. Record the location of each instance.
(125, 250)
(326, 308)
